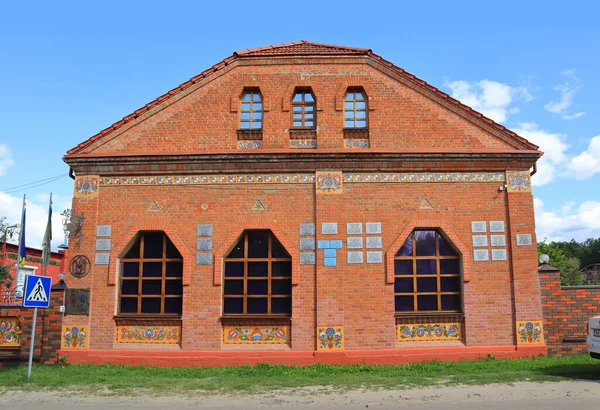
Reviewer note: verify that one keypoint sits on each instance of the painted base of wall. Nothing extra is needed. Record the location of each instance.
(185, 358)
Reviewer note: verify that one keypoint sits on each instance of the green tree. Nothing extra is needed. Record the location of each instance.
(6, 231)
(568, 265)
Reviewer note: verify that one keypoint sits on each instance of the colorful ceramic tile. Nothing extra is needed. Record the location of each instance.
(249, 144)
(424, 177)
(356, 143)
(530, 332)
(149, 334)
(329, 182)
(423, 332)
(304, 143)
(256, 335)
(87, 186)
(74, 337)
(330, 338)
(518, 181)
(10, 331)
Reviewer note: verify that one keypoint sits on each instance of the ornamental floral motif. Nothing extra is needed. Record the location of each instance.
(10, 332)
(74, 337)
(329, 182)
(86, 186)
(303, 143)
(256, 335)
(530, 332)
(358, 143)
(422, 332)
(149, 334)
(249, 144)
(517, 181)
(330, 338)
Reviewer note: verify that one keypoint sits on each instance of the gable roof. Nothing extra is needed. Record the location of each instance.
(301, 48)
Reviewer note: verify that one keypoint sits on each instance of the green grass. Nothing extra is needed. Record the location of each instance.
(265, 377)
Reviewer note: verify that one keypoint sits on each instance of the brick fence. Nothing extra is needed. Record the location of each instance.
(47, 334)
(566, 312)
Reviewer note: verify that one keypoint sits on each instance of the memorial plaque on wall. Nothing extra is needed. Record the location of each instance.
(523, 239)
(498, 254)
(478, 226)
(480, 240)
(480, 255)
(77, 301)
(496, 226)
(498, 240)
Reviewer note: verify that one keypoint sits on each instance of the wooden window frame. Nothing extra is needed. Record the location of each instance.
(438, 275)
(251, 111)
(303, 111)
(246, 259)
(356, 110)
(140, 278)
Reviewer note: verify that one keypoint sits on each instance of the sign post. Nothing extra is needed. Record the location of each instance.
(36, 295)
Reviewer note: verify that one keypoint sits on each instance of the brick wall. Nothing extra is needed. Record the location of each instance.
(566, 312)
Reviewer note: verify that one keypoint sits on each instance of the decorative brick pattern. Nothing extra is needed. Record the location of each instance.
(257, 335)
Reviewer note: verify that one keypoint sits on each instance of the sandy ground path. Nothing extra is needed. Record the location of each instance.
(580, 395)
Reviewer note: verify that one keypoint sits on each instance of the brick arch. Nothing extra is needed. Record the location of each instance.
(150, 223)
(437, 224)
(286, 100)
(231, 240)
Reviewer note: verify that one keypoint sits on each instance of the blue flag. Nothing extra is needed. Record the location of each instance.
(22, 248)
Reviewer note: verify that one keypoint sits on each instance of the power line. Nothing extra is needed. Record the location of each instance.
(35, 184)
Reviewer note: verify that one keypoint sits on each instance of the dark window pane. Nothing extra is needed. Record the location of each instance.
(173, 305)
(258, 244)
(427, 302)
(427, 285)
(258, 287)
(257, 305)
(174, 269)
(445, 249)
(450, 285)
(426, 266)
(131, 269)
(150, 305)
(238, 249)
(151, 287)
(129, 287)
(403, 285)
(277, 249)
(232, 306)
(172, 251)
(258, 269)
(152, 269)
(404, 303)
(450, 302)
(406, 249)
(281, 305)
(234, 269)
(134, 251)
(425, 243)
(281, 287)
(234, 287)
(153, 244)
(449, 266)
(403, 267)
(129, 305)
(281, 269)
(173, 287)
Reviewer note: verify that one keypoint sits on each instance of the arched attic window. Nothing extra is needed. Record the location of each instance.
(427, 275)
(151, 277)
(251, 115)
(258, 277)
(356, 121)
(304, 109)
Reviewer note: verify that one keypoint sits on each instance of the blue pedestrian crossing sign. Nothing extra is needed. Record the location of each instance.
(37, 291)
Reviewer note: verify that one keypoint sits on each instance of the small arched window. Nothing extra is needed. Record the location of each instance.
(355, 109)
(151, 277)
(304, 109)
(427, 275)
(251, 113)
(258, 277)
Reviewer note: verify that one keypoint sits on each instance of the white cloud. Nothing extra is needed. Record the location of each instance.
(37, 218)
(567, 91)
(586, 164)
(567, 223)
(6, 160)
(491, 98)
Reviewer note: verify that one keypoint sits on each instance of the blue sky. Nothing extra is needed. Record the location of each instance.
(70, 69)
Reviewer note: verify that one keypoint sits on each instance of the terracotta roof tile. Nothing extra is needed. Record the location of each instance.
(302, 48)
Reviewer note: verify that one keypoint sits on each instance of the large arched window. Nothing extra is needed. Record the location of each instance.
(355, 109)
(304, 109)
(151, 277)
(427, 275)
(258, 277)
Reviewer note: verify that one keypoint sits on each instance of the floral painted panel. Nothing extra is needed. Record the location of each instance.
(149, 334)
(256, 335)
(330, 338)
(328, 182)
(530, 332)
(74, 337)
(10, 332)
(422, 332)
(87, 186)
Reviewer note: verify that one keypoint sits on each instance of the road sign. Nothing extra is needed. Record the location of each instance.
(37, 291)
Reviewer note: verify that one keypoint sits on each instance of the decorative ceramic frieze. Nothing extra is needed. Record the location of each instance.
(87, 186)
(11, 331)
(518, 181)
(256, 335)
(530, 332)
(330, 338)
(424, 177)
(423, 332)
(249, 144)
(74, 337)
(356, 143)
(307, 144)
(328, 182)
(149, 334)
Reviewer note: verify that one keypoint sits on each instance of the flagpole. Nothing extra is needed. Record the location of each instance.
(21, 236)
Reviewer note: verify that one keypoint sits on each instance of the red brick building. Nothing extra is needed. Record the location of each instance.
(300, 203)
